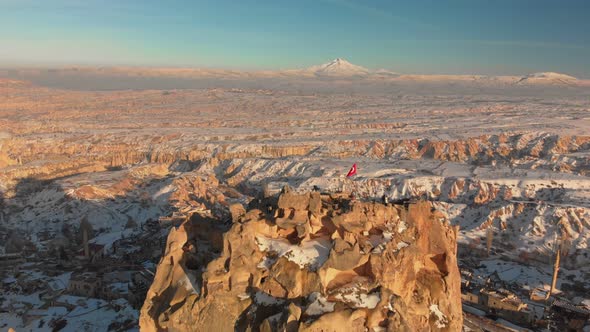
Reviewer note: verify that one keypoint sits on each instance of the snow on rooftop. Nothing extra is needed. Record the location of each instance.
(60, 282)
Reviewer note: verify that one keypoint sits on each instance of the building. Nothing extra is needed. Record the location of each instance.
(539, 294)
(96, 252)
(114, 291)
(138, 288)
(11, 260)
(573, 318)
(86, 284)
(470, 297)
(143, 277)
(115, 285)
(466, 277)
(502, 299)
(494, 281)
(507, 305)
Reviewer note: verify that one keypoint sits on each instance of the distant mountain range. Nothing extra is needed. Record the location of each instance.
(548, 77)
(338, 68)
(341, 68)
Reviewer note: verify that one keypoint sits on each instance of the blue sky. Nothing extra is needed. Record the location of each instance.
(421, 36)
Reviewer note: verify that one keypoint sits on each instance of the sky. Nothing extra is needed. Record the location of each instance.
(495, 37)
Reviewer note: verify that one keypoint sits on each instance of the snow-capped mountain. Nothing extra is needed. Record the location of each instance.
(551, 75)
(338, 67)
(548, 78)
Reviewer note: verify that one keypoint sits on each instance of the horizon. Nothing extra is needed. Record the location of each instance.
(457, 38)
(255, 70)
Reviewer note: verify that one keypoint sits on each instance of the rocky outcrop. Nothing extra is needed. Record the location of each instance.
(538, 223)
(312, 263)
(557, 153)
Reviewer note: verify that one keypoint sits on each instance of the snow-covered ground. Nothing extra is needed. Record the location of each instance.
(80, 314)
(490, 152)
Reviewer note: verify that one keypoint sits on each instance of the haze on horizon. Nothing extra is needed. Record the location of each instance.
(425, 37)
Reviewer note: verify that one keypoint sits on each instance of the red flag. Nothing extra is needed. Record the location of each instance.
(352, 171)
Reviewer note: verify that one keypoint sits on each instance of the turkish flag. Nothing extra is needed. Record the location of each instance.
(352, 171)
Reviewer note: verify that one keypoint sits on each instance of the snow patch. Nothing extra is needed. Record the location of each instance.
(163, 191)
(319, 305)
(360, 300)
(441, 319)
(401, 245)
(402, 227)
(309, 254)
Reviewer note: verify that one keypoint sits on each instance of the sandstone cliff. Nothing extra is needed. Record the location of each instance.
(63, 157)
(309, 262)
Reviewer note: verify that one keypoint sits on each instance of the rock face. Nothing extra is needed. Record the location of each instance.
(557, 153)
(312, 263)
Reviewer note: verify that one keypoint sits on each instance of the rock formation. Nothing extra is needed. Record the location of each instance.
(312, 263)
